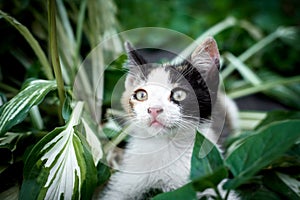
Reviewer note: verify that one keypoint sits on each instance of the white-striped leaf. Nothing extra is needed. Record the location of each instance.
(60, 166)
(93, 142)
(15, 110)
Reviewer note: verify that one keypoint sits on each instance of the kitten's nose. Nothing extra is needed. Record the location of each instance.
(154, 111)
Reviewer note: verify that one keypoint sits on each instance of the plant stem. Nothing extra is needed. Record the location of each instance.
(227, 195)
(54, 55)
(36, 118)
(219, 196)
(252, 115)
(244, 70)
(114, 142)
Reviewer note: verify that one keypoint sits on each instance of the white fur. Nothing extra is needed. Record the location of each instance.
(155, 157)
(156, 162)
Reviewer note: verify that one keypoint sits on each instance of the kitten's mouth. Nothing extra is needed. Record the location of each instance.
(156, 124)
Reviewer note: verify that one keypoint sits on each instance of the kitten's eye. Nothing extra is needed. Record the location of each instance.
(178, 95)
(140, 95)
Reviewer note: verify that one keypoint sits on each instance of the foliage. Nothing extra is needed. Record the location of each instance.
(256, 152)
(50, 142)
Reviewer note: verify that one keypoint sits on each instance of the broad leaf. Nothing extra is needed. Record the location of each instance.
(60, 165)
(210, 181)
(207, 166)
(186, 192)
(15, 110)
(260, 149)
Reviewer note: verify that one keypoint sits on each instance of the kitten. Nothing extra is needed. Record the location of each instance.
(165, 104)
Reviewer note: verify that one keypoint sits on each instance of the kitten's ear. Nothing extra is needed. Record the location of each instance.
(206, 59)
(206, 56)
(135, 64)
(134, 58)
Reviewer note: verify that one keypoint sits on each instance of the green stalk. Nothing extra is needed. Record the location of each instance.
(249, 120)
(54, 54)
(32, 42)
(36, 118)
(219, 196)
(252, 115)
(244, 70)
(114, 142)
(264, 87)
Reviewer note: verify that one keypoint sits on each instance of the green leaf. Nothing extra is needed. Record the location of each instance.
(60, 165)
(260, 149)
(285, 185)
(210, 181)
(186, 192)
(31, 41)
(8, 146)
(258, 193)
(67, 109)
(278, 115)
(93, 141)
(15, 110)
(207, 166)
(103, 173)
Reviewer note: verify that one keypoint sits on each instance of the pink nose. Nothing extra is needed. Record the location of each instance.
(154, 111)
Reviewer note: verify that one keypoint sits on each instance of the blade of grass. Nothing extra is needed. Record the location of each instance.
(281, 32)
(54, 54)
(219, 27)
(253, 30)
(97, 59)
(79, 31)
(264, 87)
(249, 120)
(66, 35)
(32, 42)
(244, 70)
(65, 21)
(115, 141)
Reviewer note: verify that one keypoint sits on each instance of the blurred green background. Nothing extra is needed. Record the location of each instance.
(193, 17)
(87, 21)
(190, 17)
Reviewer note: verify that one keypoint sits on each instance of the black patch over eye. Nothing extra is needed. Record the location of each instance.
(140, 95)
(178, 95)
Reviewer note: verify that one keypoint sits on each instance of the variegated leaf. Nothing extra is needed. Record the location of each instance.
(60, 166)
(15, 110)
(93, 142)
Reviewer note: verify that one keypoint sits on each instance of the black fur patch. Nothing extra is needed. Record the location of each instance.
(198, 102)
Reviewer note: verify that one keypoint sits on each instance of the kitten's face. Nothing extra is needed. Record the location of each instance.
(161, 102)
(164, 98)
